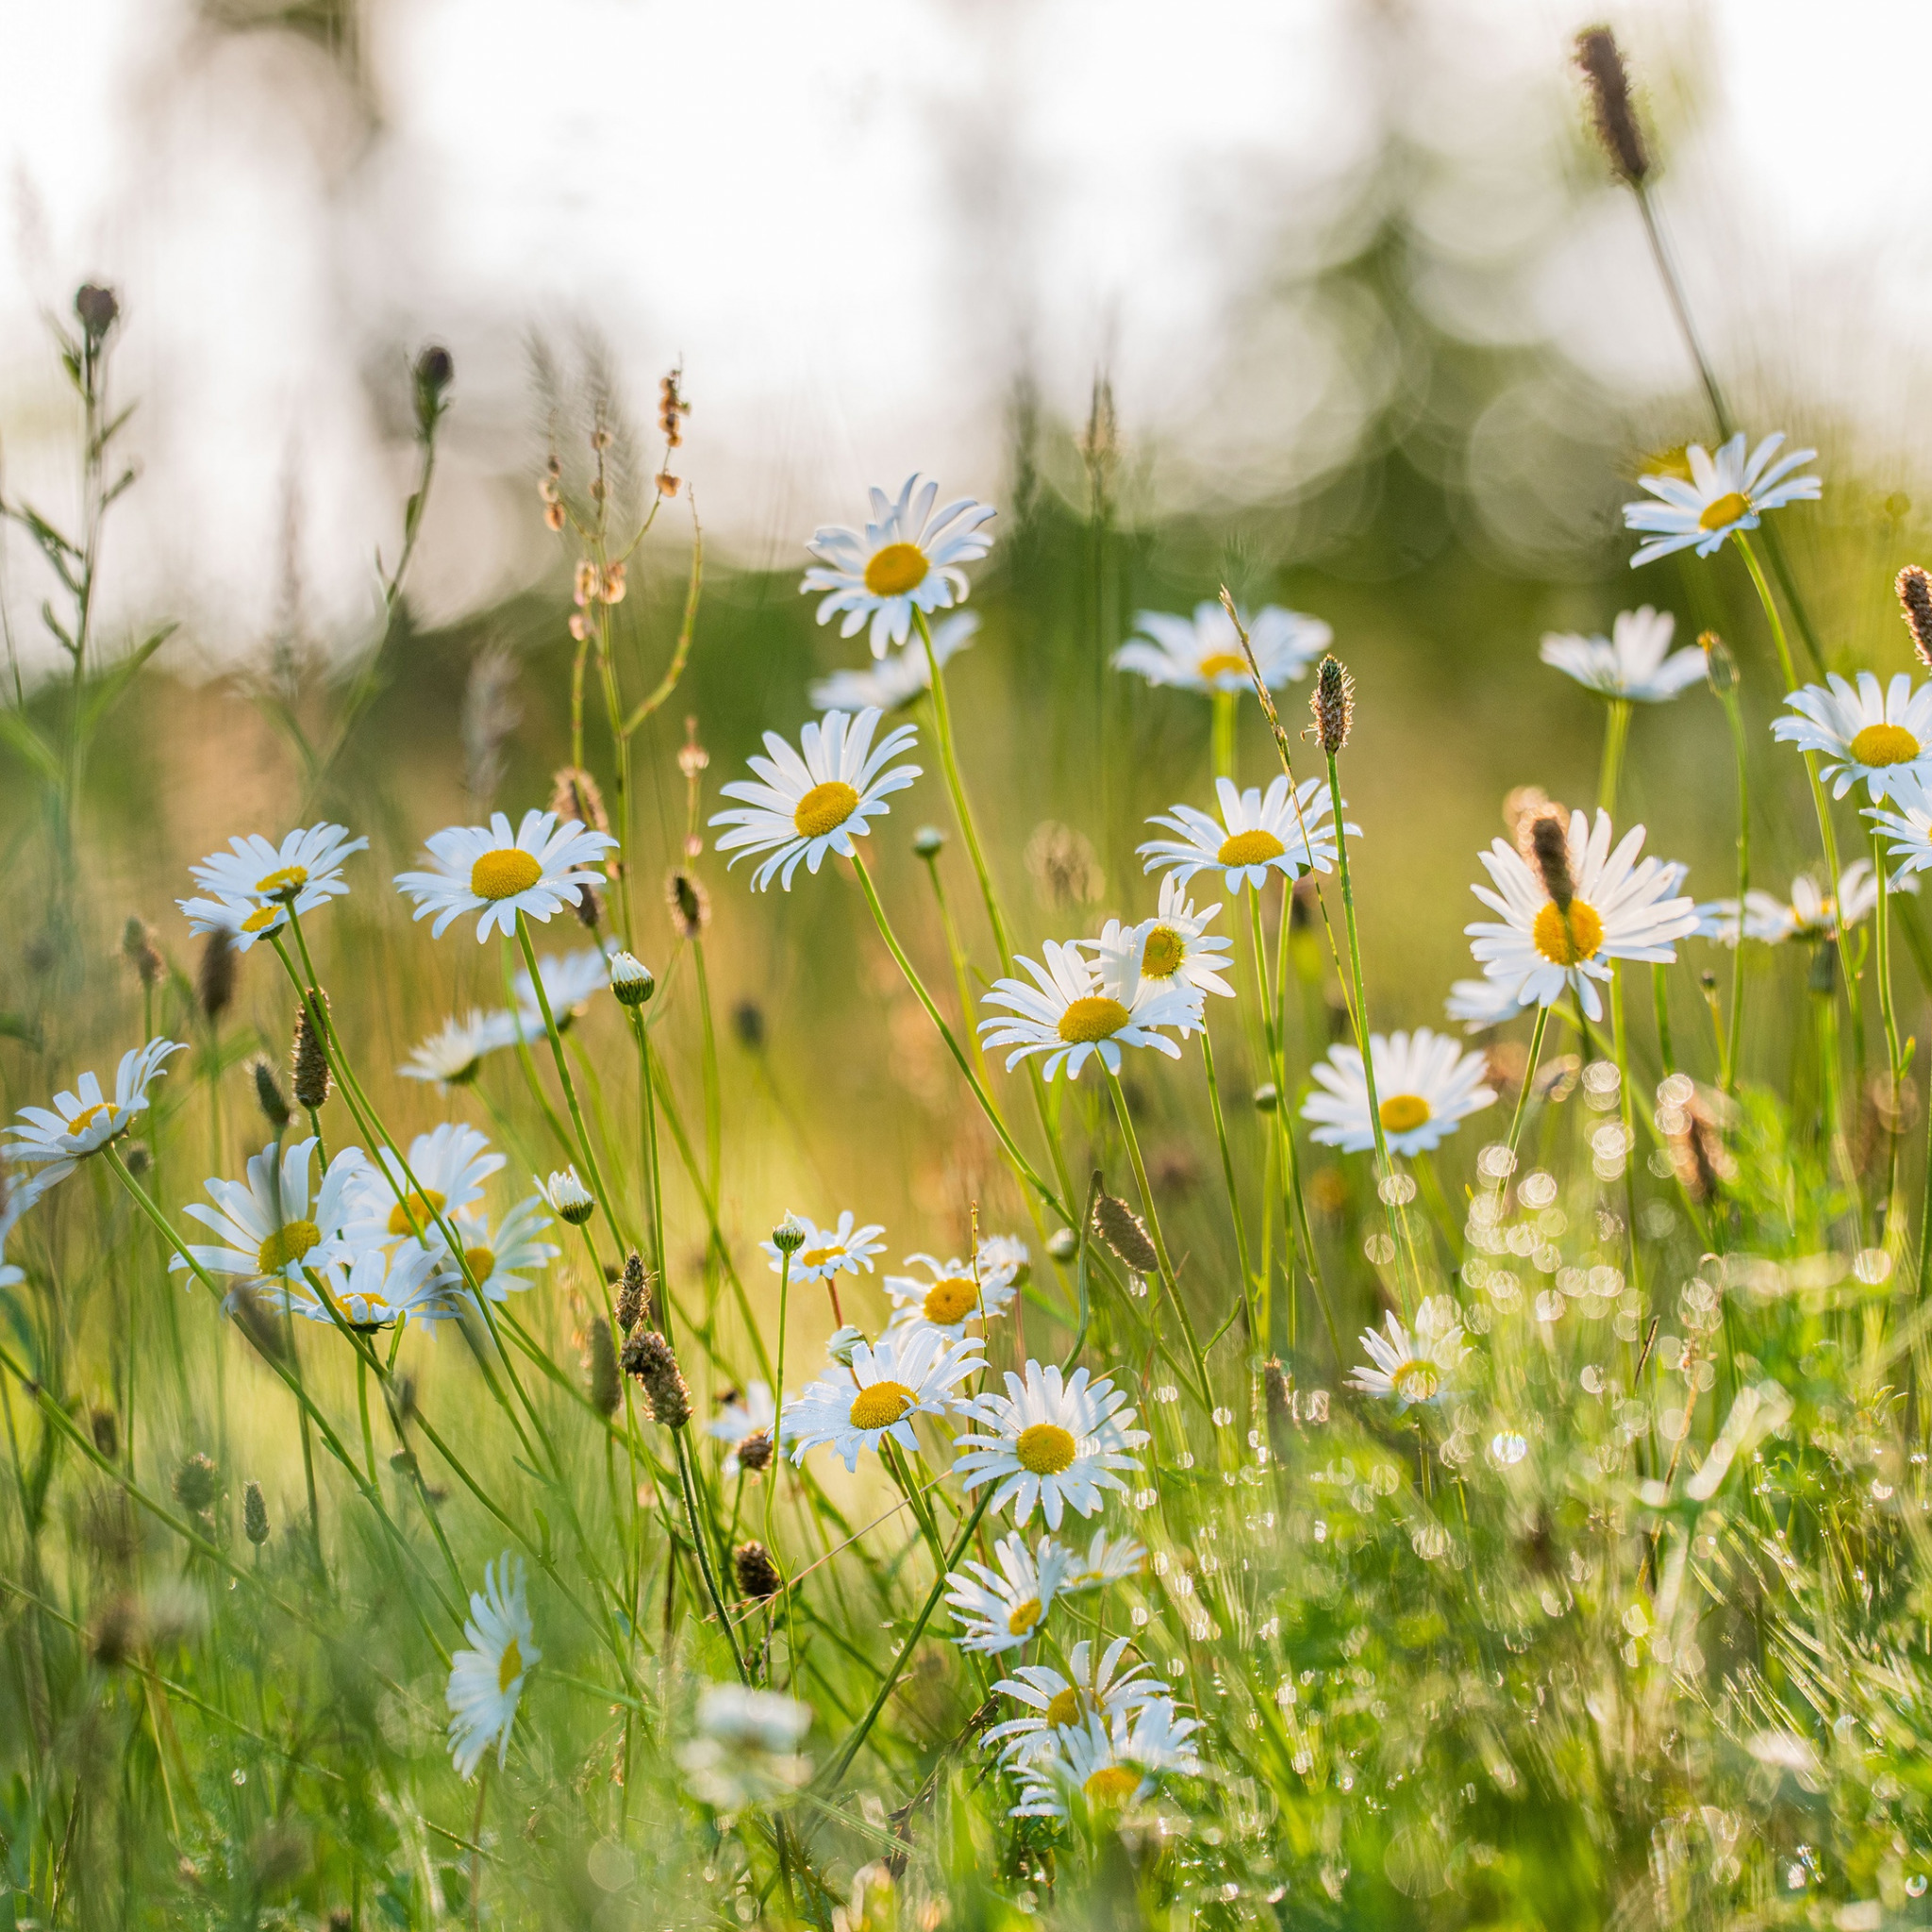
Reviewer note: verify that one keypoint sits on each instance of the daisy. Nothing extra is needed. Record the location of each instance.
(305, 871)
(1630, 663)
(540, 868)
(1108, 1559)
(240, 921)
(906, 558)
(1481, 1004)
(1203, 652)
(1004, 1256)
(1810, 913)
(375, 1289)
(58, 1139)
(948, 1297)
(1413, 1367)
(570, 983)
(1908, 831)
(907, 1372)
(899, 678)
(816, 799)
(1060, 1704)
(740, 1418)
(746, 1750)
(268, 1230)
(1722, 493)
(16, 1197)
(453, 1056)
(1255, 834)
(506, 1262)
(1050, 1442)
(1621, 911)
(450, 1163)
(486, 1681)
(1110, 1763)
(1880, 736)
(829, 1251)
(1174, 947)
(1079, 1006)
(1424, 1086)
(1000, 1609)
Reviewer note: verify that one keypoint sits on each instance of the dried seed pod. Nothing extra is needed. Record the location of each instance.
(757, 1574)
(1914, 589)
(197, 1483)
(1601, 63)
(600, 1368)
(268, 1093)
(307, 1054)
(574, 794)
(650, 1359)
(1333, 705)
(214, 979)
(254, 1514)
(634, 1292)
(139, 949)
(755, 1452)
(1549, 845)
(690, 904)
(1124, 1232)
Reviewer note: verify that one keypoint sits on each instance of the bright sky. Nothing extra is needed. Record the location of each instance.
(853, 221)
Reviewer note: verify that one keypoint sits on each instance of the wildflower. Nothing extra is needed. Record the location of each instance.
(949, 1297)
(1908, 832)
(1079, 1006)
(1049, 1441)
(454, 1056)
(58, 1139)
(907, 1372)
(1616, 908)
(1123, 1232)
(1810, 913)
(816, 799)
(757, 1573)
(1110, 1764)
(373, 1287)
(505, 1262)
(1914, 589)
(540, 868)
(254, 1514)
(268, 1229)
(1172, 948)
(487, 1679)
(1333, 707)
(1003, 1256)
(1481, 1004)
(1001, 1609)
(1630, 664)
(842, 1343)
(649, 1357)
(740, 1418)
(1059, 1703)
(746, 1750)
(1723, 494)
(1203, 652)
(906, 558)
(570, 983)
(1257, 835)
(825, 1251)
(901, 676)
(572, 1200)
(631, 980)
(1413, 1367)
(450, 1164)
(1424, 1086)
(1882, 736)
(1601, 63)
(1108, 1559)
(256, 885)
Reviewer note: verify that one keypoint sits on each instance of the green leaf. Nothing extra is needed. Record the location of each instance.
(18, 729)
(107, 689)
(18, 1027)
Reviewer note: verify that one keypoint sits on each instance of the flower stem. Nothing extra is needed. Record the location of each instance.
(1734, 1041)
(1223, 702)
(1616, 735)
(1234, 1199)
(704, 1555)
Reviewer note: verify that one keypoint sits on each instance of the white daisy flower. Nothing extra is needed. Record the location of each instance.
(907, 1372)
(1723, 494)
(57, 1140)
(1425, 1084)
(1481, 1004)
(1108, 1559)
(900, 676)
(947, 1296)
(746, 1750)
(1203, 652)
(375, 1287)
(240, 921)
(453, 1056)
(537, 869)
(1110, 1763)
(506, 1262)
(1003, 1256)
(1000, 1609)
(487, 1679)
(570, 984)
(1255, 834)
(1906, 828)
(1621, 911)
(1630, 663)
(567, 1196)
(906, 558)
(1413, 1367)
(1879, 735)
(1093, 1686)
(1809, 914)
(816, 799)
(451, 1163)
(740, 1417)
(17, 1194)
(828, 1251)
(305, 871)
(1049, 1441)
(267, 1229)
(1174, 947)
(1079, 1006)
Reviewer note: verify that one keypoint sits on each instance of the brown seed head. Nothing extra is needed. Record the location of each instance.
(633, 1292)
(755, 1452)
(106, 1431)
(307, 1054)
(139, 949)
(671, 407)
(757, 1574)
(600, 1368)
(1915, 594)
(1333, 705)
(197, 1483)
(1549, 845)
(690, 904)
(649, 1357)
(574, 794)
(1125, 1233)
(254, 1514)
(114, 1634)
(268, 1093)
(215, 981)
(1609, 80)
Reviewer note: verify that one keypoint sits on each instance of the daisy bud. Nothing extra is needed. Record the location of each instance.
(1602, 67)
(927, 840)
(139, 949)
(98, 308)
(1720, 667)
(215, 981)
(1333, 705)
(1266, 1097)
(631, 980)
(755, 1452)
(106, 1432)
(691, 905)
(1549, 847)
(748, 1024)
(268, 1093)
(790, 1234)
(308, 1056)
(196, 1484)
(634, 1292)
(435, 370)
(1125, 1233)
(254, 1514)
(572, 1201)
(600, 1368)
(648, 1357)
(844, 1344)
(757, 1574)
(1064, 1244)
(1915, 593)
(691, 756)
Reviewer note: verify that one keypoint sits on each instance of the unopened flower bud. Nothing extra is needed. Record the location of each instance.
(1720, 667)
(600, 1368)
(790, 1234)
(254, 1514)
(757, 1574)
(1064, 1244)
(748, 1025)
(268, 1093)
(1267, 1097)
(1333, 705)
(572, 1201)
(927, 841)
(612, 590)
(553, 515)
(633, 1292)
(631, 980)
(650, 1359)
(309, 1056)
(1601, 63)
(434, 371)
(98, 308)
(667, 484)
(585, 590)
(844, 1344)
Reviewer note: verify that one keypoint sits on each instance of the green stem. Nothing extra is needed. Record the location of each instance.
(704, 1555)
(1616, 735)
(1234, 1199)
(1734, 717)
(1223, 702)
(647, 1108)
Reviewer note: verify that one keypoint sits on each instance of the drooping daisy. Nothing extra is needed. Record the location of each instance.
(454, 1056)
(508, 1261)
(907, 1372)
(450, 1164)
(828, 1251)
(1255, 834)
(1203, 652)
(746, 1749)
(948, 1296)
(1622, 909)
(1882, 736)
(537, 869)
(1079, 1006)
(1109, 1764)
(1481, 1004)
(1174, 946)
(1723, 494)
(1809, 914)
(487, 1679)
(570, 983)
(906, 558)
(305, 871)
(1425, 1084)
(901, 675)
(375, 1287)
(1093, 1685)
(1108, 1559)
(740, 1418)
(57, 1140)
(1908, 831)
(1629, 664)
(817, 798)
(1416, 1368)
(242, 922)
(267, 1229)
(1000, 1609)
(1049, 1441)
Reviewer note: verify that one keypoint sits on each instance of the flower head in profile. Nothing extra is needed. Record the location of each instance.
(1880, 734)
(450, 1164)
(274, 1226)
(1255, 834)
(1413, 1367)
(899, 678)
(950, 1295)
(1203, 652)
(537, 869)
(1094, 1684)
(570, 981)
(745, 1752)
(907, 1372)
(1172, 948)
(827, 1251)
(57, 1140)
(1108, 1559)
(17, 1194)
(1426, 1085)
(1109, 1765)
(1481, 1004)
(1907, 830)
(377, 1287)
(817, 798)
(1722, 493)
(1049, 1440)
(1077, 1006)
(1809, 913)
(254, 885)
(487, 1679)
(1630, 664)
(738, 1418)
(906, 558)
(1003, 1608)
(455, 1055)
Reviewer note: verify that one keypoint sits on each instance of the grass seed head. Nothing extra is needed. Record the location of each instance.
(1125, 1233)
(690, 904)
(1549, 845)
(308, 1056)
(1914, 589)
(254, 1514)
(755, 1452)
(1608, 80)
(139, 949)
(633, 1292)
(106, 1431)
(268, 1093)
(600, 1368)
(649, 1359)
(757, 1574)
(215, 981)
(197, 1483)
(1333, 705)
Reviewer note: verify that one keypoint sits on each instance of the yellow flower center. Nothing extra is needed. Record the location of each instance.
(825, 808)
(511, 1667)
(1065, 1708)
(1885, 745)
(482, 1263)
(284, 884)
(1096, 1017)
(87, 1116)
(895, 569)
(1417, 1380)
(952, 1299)
(261, 918)
(415, 1212)
(1113, 1784)
(880, 1405)
(503, 874)
(817, 1258)
(1024, 1616)
(1723, 509)
(287, 1244)
(1402, 1113)
(1565, 941)
(1250, 848)
(1161, 957)
(1223, 664)
(1045, 1448)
